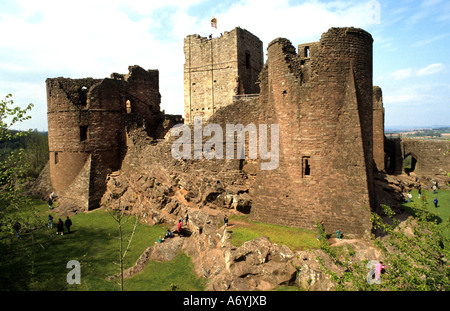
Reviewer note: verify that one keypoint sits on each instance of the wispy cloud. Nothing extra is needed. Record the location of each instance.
(431, 69)
(431, 40)
(401, 74)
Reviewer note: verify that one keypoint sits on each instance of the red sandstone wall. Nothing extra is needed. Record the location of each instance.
(87, 120)
(378, 129)
(328, 118)
(216, 70)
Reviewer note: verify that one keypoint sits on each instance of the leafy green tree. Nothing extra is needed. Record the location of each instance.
(416, 255)
(16, 219)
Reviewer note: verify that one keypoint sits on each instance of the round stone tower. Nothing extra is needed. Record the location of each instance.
(321, 98)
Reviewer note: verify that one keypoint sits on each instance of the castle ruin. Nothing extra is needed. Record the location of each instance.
(87, 124)
(322, 99)
(321, 94)
(216, 70)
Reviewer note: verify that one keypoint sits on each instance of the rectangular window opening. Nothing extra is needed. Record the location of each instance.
(247, 60)
(83, 132)
(306, 166)
(56, 158)
(306, 51)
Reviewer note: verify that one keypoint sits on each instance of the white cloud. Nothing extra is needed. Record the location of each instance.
(430, 40)
(430, 69)
(307, 20)
(86, 38)
(401, 74)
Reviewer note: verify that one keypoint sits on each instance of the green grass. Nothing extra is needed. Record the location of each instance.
(162, 276)
(294, 238)
(94, 243)
(442, 211)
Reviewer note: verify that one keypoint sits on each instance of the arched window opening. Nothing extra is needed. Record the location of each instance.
(128, 106)
(409, 163)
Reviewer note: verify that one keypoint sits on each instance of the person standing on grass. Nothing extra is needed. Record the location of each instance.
(409, 195)
(68, 223)
(50, 221)
(50, 203)
(60, 227)
(16, 228)
(435, 201)
(339, 234)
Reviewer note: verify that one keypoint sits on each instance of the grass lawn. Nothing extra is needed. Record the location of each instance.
(442, 211)
(295, 238)
(94, 243)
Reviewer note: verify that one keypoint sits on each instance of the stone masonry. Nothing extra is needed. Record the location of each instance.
(322, 99)
(323, 105)
(378, 129)
(87, 121)
(217, 69)
(320, 94)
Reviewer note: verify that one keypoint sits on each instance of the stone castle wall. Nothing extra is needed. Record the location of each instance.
(217, 69)
(378, 129)
(322, 102)
(86, 128)
(430, 157)
(326, 138)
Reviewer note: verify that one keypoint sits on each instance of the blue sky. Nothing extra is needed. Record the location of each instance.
(76, 39)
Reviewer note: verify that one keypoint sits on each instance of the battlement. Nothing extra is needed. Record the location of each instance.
(321, 96)
(217, 69)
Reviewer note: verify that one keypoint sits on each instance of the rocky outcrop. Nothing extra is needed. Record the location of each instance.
(160, 190)
(257, 264)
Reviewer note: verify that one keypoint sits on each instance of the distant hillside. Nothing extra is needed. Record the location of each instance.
(396, 129)
(440, 132)
(35, 147)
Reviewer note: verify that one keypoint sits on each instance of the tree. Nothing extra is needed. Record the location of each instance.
(416, 255)
(14, 219)
(12, 168)
(118, 214)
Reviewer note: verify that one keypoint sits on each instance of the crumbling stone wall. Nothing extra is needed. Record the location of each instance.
(378, 129)
(431, 157)
(326, 136)
(323, 104)
(322, 99)
(217, 69)
(87, 120)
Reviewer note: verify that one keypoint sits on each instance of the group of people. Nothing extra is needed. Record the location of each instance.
(60, 224)
(170, 234)
(434, 186)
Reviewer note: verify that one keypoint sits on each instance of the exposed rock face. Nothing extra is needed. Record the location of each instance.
(260, 265)
(159, 189)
